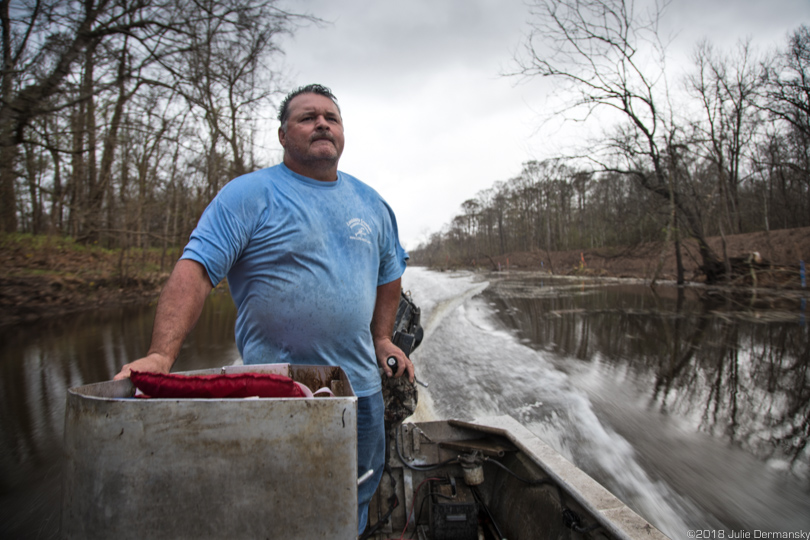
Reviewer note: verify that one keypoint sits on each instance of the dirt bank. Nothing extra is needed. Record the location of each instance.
(779, 255)
(45, 277)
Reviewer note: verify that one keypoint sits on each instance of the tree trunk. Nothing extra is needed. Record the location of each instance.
(32, 178)
(679, 261)
(8, 178)
(8, 148)
(101, 188)
(91, 222)
(76, 184)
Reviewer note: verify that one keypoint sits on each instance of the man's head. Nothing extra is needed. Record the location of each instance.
(311, 132)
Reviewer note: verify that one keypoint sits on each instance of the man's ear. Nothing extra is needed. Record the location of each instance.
(281, 136)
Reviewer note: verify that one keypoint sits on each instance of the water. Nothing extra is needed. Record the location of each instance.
(692, 408)
(40, 362)
(694, 411)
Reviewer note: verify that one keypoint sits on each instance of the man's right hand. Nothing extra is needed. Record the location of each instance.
(153, 363)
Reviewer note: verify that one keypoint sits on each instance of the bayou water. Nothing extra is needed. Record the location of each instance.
(692, 405)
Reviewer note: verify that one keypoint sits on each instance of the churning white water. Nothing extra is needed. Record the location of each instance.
(476, 367)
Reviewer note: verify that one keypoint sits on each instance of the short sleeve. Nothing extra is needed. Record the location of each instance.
(393, 257)
(220, 236)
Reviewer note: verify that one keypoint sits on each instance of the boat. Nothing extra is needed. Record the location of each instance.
(286, 468)
(492, 479)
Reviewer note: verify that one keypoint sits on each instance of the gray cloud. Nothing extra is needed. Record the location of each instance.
(430, 121)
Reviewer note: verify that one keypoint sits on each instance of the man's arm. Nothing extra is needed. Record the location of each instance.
(181, 302)
(382, 328)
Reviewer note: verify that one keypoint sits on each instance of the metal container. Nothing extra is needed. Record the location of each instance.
(212, 468)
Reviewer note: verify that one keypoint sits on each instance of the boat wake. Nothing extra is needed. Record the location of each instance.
(478, 368)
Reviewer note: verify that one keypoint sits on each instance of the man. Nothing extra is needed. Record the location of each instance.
(314, 265)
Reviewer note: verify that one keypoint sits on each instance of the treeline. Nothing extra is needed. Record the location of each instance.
(730, 155)
(120, 120)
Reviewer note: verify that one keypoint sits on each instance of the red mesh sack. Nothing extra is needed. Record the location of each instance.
(230, 385)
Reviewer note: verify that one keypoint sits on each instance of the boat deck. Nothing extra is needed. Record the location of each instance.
(523, 488)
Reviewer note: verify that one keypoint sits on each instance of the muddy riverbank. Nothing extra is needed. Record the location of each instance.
(43, 277)
(774, 256)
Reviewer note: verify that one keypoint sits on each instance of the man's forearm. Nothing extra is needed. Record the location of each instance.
(179, 308)
(382, 328)
(385, 310)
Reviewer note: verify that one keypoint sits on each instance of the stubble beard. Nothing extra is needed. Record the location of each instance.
(321, 157)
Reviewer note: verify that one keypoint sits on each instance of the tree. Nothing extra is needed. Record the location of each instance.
(787, 101)
(43, 41)
(611, 59)
(76, 80)
(727, 89)
(788, 80)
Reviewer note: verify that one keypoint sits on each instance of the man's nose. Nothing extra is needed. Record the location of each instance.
(321, 123)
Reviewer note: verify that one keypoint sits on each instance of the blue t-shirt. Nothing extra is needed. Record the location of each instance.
(303, 260)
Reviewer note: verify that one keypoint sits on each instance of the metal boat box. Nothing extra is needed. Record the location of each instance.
(212, 468)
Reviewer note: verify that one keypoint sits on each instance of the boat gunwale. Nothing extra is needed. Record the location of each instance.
(569, 477)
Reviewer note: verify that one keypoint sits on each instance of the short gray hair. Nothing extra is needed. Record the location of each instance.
(321, 90)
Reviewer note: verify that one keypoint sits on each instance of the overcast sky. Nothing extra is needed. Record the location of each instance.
(430, 121)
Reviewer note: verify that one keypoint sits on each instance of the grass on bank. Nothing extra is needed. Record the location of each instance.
(28, 255)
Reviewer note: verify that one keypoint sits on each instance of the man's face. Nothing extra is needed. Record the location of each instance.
(313, 137)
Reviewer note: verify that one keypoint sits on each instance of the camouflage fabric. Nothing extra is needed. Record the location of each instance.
(400, 398)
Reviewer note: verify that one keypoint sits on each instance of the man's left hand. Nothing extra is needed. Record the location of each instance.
(385, 348)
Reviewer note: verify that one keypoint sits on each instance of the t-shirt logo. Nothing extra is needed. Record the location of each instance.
(360, 230)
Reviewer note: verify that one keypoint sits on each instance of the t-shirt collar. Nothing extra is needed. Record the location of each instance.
(311, 181)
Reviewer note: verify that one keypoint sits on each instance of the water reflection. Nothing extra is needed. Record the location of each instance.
(734, 366)
(40, 362)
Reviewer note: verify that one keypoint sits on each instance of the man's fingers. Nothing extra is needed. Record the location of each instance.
(153, 363)
(406, 366)
(394, 367)
(123, 374)
(389, 365)
(411, 371)
(397, 367)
